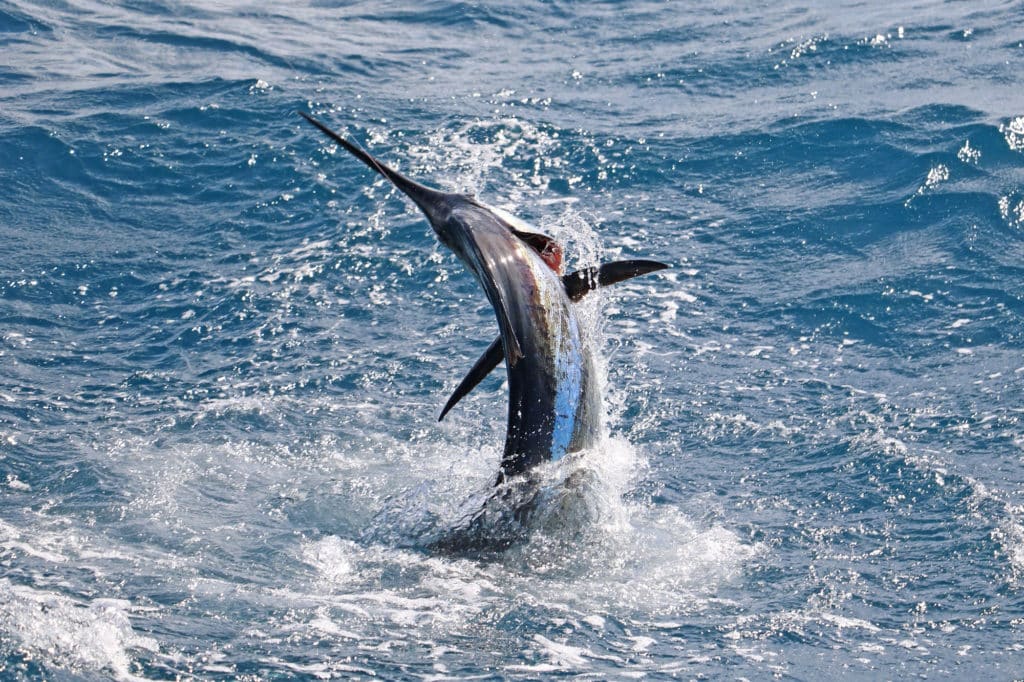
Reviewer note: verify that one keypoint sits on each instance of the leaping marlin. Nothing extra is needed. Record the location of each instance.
(554, 405)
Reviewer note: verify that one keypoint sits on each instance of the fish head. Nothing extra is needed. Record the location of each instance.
(502, 251)
(506, 258)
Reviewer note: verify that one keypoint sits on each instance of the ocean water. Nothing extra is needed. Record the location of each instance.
(224, 343)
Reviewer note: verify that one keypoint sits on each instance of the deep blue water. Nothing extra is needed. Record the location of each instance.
(224, 344)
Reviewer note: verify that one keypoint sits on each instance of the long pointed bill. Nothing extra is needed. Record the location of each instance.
(457, 235)
(426, 198)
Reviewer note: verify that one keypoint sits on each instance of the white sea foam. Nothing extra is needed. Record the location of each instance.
(331, 557)
(1013, 132)
(88, 636)
(591, 556)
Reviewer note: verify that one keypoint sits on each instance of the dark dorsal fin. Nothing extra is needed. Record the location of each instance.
(577, 285)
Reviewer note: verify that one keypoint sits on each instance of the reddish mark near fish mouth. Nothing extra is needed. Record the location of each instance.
(552, 255)
(547, 248)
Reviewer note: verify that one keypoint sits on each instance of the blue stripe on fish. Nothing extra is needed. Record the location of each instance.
(569, 370)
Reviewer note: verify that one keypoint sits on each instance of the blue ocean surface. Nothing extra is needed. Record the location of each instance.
(224, 343)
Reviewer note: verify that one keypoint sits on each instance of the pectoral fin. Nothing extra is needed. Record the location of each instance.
(491, 358)
(577, 285)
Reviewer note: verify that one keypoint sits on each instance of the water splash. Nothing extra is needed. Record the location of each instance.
(87, 636)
